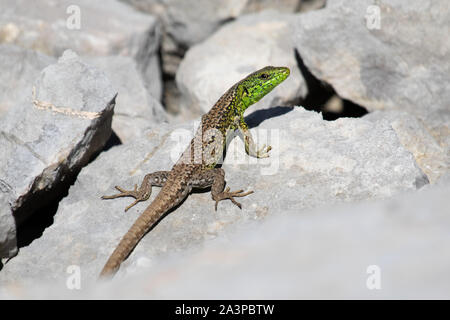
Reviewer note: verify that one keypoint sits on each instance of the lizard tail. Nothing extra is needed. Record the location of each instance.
(140, 227)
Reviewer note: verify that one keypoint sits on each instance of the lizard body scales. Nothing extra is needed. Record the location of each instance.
(196, 166)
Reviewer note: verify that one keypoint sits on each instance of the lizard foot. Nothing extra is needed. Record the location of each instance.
(129, 193)
(263, 152)
(226, 194)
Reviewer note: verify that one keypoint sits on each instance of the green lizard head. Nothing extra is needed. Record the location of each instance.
(259, 83)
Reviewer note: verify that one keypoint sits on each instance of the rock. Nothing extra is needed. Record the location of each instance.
(433, 159)
(212, 67)
(187, 23)
(20, 67)
(327, 253)
(135, 108)
(44, 141)
(313, 163)
(8, 235)
(308, 5)
(105, 28)
(331, 252)
(398, 62)
(443, 181)
(287, 6)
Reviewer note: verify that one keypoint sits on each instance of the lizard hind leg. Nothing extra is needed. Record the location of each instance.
(215, 179)
(226, 194)
(156, 179)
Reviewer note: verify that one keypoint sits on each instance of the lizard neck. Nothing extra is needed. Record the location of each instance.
(241, 101)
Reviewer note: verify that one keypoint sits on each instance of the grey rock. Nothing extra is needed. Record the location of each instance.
(135, 107)
(401, 65)
(313, 163)
(106, 28)
(44, 141)
(287, 6)
(212, 67)
(187, 23)
(20, 67)
(315, 254)
(8, 235)
(433, 159)
(327, 253)
(191, 22)
(308, 5)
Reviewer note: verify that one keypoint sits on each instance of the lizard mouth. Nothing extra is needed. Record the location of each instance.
(282, 74)
(285, 72)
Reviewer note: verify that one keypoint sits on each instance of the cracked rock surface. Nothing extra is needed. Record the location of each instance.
(48, 138)
(312, 162)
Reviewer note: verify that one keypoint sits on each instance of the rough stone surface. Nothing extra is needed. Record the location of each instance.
(433, 159)
(187, 23)
(326, 253)
(8, 235)
(45, 140)
(329, 208)
(308, 5)
(19, 69)
(237, 49)
(403, 65)
(106, 28)
(313, 163)
(288, 6)
(135, 108)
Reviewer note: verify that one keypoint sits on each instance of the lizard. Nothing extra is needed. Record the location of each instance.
(196, 167)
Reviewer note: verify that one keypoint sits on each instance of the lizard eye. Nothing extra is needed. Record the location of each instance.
(264, 76)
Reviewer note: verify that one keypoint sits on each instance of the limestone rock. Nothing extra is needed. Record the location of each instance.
(326, 253)
(135, 108)
(20, 68)
(313, 163)
(45, 140)
(384, 55)
(433, 159)
(87, 27)
(187, 23)
(390, 249)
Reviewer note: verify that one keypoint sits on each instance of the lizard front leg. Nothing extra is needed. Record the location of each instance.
(250, 145)
(215, 178)
(156, 179)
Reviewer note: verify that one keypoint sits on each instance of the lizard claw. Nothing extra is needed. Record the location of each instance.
(226, 194)
(123, 193)
(133, 204)
(263, 152)
(128, 193)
